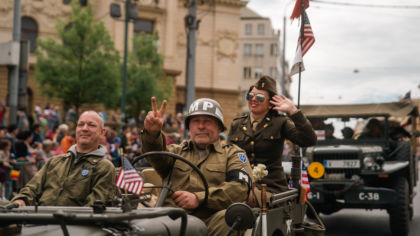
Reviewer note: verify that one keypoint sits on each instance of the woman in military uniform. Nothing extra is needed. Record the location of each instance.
(262, 132)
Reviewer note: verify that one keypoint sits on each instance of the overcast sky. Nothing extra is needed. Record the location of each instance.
(382, 44)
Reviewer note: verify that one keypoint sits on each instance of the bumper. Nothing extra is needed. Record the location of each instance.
(350, 194)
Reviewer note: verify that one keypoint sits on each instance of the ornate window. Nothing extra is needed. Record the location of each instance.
(248, 29)
(258, 72)
(247, 49)
(261, 29)
(143, 25)
(29, 29)
(247, 72)
(259, 49)
(273, 49)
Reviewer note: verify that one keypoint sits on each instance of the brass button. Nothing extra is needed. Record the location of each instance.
(252, 143)
(265, 125)
(271, 137)
(268, 118)
(236, 139)
(252, 154)
(244, 128)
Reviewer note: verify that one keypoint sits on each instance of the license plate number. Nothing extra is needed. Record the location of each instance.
(331, 164)
(369, 196)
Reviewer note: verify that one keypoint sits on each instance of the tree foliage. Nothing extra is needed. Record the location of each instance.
(145, 75)
(84, 67)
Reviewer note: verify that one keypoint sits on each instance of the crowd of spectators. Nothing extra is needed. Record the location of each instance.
(27, 145)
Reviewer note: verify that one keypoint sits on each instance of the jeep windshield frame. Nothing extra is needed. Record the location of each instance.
(341, 113)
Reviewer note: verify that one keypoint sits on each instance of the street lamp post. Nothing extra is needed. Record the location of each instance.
(13, 79)
(116, 13)
(124, 72)
(191, 24)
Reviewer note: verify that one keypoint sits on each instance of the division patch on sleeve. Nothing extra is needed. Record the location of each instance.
(242, 157)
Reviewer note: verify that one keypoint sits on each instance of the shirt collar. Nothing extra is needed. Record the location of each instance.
(216, 146)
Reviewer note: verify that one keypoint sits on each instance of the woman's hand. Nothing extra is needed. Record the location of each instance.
(282, 103)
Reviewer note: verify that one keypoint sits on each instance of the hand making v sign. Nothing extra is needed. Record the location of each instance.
(154, 120)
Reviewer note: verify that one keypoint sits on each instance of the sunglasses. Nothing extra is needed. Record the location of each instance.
(259, 96)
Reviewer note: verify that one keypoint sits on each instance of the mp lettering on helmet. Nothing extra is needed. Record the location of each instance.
(194, 106)
(207, 105)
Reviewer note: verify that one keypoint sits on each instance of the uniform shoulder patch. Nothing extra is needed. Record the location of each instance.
(84, 172)
(242, 157)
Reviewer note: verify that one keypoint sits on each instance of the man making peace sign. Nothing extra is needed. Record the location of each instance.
(225, 166)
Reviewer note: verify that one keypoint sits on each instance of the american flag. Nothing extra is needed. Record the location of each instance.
(302, 49)
(128, 178)
(308, 35)
(304, 178)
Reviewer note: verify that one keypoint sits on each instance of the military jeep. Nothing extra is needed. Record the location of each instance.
(364, 159)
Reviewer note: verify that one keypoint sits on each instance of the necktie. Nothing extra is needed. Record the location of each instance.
(254, 125)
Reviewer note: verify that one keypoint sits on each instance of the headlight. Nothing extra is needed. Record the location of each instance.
(368, 162)
(380, 160)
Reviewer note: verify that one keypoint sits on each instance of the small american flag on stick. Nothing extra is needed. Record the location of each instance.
(128, 178)
(304, 178)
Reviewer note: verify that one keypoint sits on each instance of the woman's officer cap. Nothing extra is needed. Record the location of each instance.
(268, 84)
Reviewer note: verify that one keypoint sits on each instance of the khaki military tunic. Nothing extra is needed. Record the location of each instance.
(265, 144)
(65, 182)
(216, 165)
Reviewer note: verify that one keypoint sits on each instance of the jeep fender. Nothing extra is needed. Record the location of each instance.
(391, 167)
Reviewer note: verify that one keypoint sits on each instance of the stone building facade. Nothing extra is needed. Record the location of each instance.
(218, 70)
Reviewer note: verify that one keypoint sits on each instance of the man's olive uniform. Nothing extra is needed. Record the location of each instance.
(265, 144)
(66, 180)
(225, 167)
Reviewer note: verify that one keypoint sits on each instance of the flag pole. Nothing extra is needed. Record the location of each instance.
(302, 29)
(122, 166)
(297, 160)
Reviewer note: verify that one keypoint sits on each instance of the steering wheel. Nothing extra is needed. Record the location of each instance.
(167, 186)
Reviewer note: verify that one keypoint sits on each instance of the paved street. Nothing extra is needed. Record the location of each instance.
(350, 222)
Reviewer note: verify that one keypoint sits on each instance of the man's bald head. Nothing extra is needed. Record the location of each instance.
(100, 119)
(89, 131)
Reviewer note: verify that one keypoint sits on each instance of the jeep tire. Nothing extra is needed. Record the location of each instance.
(399, 212)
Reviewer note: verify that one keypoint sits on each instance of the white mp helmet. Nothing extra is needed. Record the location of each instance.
(205, 106)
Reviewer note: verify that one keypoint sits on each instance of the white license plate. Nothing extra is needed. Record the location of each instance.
(331, 164)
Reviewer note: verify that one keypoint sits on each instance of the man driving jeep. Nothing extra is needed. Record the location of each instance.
(225, 166)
